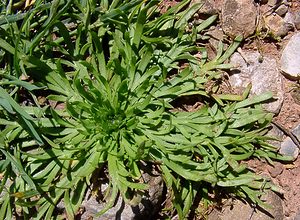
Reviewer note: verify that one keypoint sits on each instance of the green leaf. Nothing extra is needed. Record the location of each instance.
(247, 119)
(20, 168)
(206, 23)
(67, 204)
(17, 82)
(187, 15)
(231, 49)
(184, 172)
(141, 19)
(254, 100)
(6, 46)
(25, 194)
(65, 34)
(235, 182)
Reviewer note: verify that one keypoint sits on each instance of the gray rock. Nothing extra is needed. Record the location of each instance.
(282, 10)
(289, 148)
(290, 58)
(264, 77)
(293, 18)
(278, 134)
(146, 207)
(296, 131)
(119, 211)
(240, 210)
(297, 20)
(7, 185)
(297, 216)
(289, 19)
(238, 18)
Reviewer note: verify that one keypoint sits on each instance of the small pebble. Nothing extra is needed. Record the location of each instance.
(286, 2)
(282, 10)
(273, 2)
(275, 170)
(289, 148)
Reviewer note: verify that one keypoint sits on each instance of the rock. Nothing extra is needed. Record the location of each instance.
(289, 19)
(295, 93)
(241, 210)
(297, 20)
(293, 18)
(264, 77)
(290, 58)
(276, 26)
(210, 7)
(282, 10)
(275, 170)
(273, 2)
(238, 18)
(119, 211)
(289, 148)
(275, 133)
(7, 185)
(296, 131)
(286, 2)
(150, 204)
(147, 208)
(297, 216)
(215, 36)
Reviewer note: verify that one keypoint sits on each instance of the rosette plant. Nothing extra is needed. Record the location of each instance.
(90, 85)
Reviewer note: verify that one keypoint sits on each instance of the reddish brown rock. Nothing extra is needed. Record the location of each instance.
(238, 18)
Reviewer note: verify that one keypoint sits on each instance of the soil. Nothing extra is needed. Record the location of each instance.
(286, 176)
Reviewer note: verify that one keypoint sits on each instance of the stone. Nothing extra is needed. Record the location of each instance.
(146, 206)
(289, 19)
(286, 2)
(289, 148)
(275, 170)
(264, 77)
(242, 210)
(210, 7)
(282, 10)
(276, 26)
(215, 36)
(151, 203)
(7, 185)
(296, 131)
(290, 58)
(275, 133)
(295, 93)
(297, 216)
(120, 210)
(238, 18)
(273, 2)
(297, 20)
